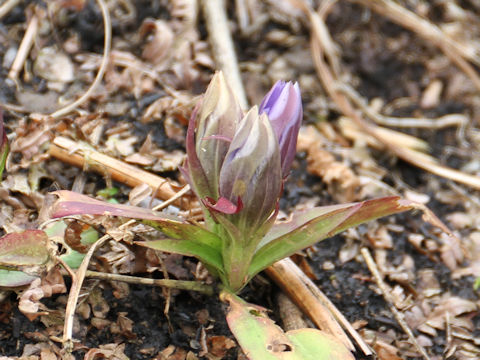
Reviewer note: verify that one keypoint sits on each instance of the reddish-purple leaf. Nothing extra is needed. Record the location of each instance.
(72, 203)
(318, 224)
(28, 248)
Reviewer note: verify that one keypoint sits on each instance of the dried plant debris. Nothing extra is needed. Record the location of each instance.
(419, 93)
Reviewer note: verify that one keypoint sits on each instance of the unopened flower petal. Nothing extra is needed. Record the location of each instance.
(252, 169)
(217, 122)
(283, 105)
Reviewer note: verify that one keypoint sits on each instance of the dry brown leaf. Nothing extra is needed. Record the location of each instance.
(158, 46)
(72, 235)
(109, 352)
(119, 259)
(51, 284)
(451, 251)
(99, 305)
(30, 140)
(172, 353)
(342, 181)
(454, 306)
(219, 345)
(123, 326)
(140, 159)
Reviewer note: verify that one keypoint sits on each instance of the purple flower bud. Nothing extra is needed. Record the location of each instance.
(283, 105)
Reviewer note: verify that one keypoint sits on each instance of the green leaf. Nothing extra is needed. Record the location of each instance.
(13, 278)
(297, 219)
(327, 224)
(73, 258)
(28, 248)
(108, 192)
(56, 233)
(185, 231)
(261, 339)
(206, 254)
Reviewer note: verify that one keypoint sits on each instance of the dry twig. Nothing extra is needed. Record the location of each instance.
(168, 283)
(291, 315)
(7, 6)
(24, 49)
(388, 298)
(85, 157)
(222, 46)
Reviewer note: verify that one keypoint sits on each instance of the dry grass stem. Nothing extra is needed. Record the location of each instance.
(222, 46)
(107, 26)
(24, 49)
(167, 283)
(74, 293)
(7, 6)
(388, 298)
(445, 121)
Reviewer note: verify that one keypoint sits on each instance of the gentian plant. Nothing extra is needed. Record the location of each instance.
(236, 165)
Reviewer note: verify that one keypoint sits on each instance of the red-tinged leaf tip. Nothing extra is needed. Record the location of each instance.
(224, 205)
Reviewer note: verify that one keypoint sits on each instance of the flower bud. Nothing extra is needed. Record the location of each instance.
(283, 105)
(215, 124)
(236, 163)
(251, 171)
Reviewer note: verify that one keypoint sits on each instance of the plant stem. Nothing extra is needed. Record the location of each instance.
(175, 284)
(237, 259)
